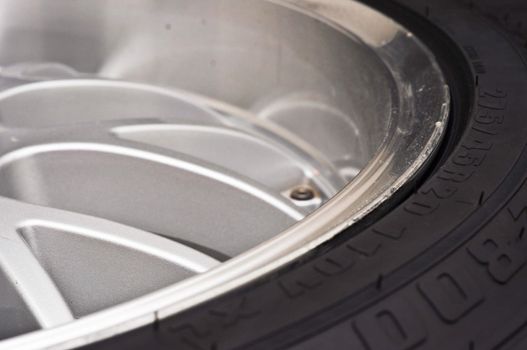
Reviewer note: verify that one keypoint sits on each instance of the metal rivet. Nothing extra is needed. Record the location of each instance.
(302, 193)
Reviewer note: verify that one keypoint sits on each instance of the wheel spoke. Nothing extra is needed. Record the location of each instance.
(121, 235)
(31, 281)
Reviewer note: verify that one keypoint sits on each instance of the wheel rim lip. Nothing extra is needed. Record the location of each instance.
(347, 207)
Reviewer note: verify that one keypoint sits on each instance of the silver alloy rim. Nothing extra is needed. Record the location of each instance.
(139, 179)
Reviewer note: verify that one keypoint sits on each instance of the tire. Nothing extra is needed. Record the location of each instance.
(440, 267)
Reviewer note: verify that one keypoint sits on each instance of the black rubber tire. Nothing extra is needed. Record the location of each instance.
(445, 267)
